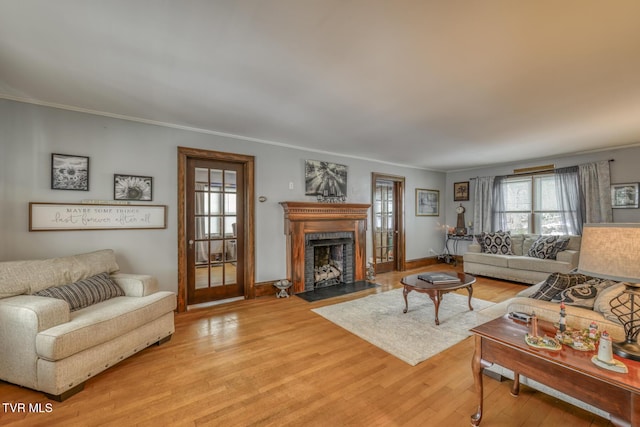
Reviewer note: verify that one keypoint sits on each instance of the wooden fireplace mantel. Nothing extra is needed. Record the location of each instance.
(301, 218)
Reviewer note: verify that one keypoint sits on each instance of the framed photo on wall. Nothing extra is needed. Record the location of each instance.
(624, 195)
(461, 191)
(427, 202)
(69, 172)
(132, 187)
(325, 179)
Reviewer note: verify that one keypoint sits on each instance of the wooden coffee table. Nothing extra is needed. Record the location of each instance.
(435, 292)
(569, 371)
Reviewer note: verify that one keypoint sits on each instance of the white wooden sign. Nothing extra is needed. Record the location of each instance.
(69, 216)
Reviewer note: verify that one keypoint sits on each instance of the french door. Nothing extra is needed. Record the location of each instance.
(214, 204)
(388, 222)
(215, 226)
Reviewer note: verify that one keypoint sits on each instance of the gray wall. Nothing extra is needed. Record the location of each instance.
(30, 133)
(624, 168)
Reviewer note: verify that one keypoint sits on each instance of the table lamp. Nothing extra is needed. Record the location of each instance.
(612, 251)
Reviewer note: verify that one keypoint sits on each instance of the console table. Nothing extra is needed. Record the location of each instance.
(448, 255)
(569, 371)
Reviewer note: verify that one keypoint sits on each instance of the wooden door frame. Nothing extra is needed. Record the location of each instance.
(399, 184)
(248, 165)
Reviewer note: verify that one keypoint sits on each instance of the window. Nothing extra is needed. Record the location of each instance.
(531, 205)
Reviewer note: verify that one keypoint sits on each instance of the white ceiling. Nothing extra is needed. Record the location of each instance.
(442, 85)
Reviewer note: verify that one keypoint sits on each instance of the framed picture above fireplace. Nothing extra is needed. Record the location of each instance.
(325, 179)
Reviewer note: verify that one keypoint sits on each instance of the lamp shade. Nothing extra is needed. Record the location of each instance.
(611, 251)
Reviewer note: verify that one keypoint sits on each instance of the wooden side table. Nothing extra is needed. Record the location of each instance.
(569, 371)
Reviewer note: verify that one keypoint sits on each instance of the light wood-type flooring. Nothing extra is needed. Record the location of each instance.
(273, 362)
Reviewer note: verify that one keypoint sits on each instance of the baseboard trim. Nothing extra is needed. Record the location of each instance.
(421, 262)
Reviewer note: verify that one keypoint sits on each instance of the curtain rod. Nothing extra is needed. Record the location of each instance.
(534, 173)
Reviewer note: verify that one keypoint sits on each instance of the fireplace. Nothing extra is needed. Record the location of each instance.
(325, 238)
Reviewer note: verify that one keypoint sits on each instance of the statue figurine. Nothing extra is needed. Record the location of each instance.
(605, 352)
(563, 318)
(534, 325)
(593, 330)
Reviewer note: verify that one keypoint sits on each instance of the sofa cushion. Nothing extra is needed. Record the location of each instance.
(517, 241)
(498, 242)
(69, 269)
(583, 295)
(529, 240)
(487, 259)
(101, 323)
(547, 247)
(537, 264)
(556, 283)
(577, 317)
(85, 292)
(602, 304)
(18, 277)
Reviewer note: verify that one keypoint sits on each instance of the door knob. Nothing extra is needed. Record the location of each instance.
(190, 243)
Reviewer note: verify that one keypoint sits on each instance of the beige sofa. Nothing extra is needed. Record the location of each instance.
(520, 267)
(46, 346)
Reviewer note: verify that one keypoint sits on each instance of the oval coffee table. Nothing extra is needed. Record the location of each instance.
(436, 291)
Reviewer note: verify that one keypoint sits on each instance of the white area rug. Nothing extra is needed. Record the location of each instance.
(414, 336)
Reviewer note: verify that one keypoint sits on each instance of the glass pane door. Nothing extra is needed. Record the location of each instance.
(384, 225)
(213, 234)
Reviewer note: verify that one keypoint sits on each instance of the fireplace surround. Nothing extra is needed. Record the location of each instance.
(307, 221)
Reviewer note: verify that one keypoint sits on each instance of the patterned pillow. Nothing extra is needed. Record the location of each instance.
(498, 242)
(86, 292)
(583, 295)
(544, 247)
(561, 245)
(558, 282)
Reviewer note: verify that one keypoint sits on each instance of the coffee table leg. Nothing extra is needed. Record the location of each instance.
(405, 292)
(476, 368)
(436, 297)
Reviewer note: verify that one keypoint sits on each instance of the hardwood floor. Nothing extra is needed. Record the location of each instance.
(273, 362)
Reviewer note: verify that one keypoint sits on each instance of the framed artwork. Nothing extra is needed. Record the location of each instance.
(325, 179)
(132, 187)
(624, 195)
(461, 191)
(427, 202)
(69, 172)
(70, 216)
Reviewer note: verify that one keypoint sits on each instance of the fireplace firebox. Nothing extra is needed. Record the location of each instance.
(328, 259)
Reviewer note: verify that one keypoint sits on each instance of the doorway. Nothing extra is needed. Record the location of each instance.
(215, 232)
(388, 222)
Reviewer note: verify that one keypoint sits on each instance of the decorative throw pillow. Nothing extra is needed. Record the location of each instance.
(583, 295)
(558, 282)
(85, 292)
(544, 247)
(561, 245)
(498, 242)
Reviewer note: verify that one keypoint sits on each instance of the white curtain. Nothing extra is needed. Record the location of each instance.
(595, 189)
(483, 204)
(569, 199)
